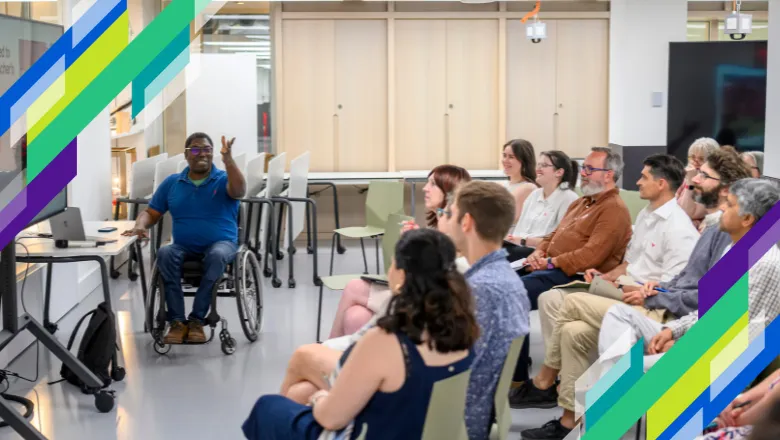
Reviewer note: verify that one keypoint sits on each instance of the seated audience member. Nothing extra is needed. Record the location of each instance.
(757, 406)
(203, 202)
(594, 233)
(748, 201)
(477, 220)
(660, 247)
(519, 161)
(710, 185)
(384, 382)
(698, 153)
(755, 161)
(544, 209)
(360, 299)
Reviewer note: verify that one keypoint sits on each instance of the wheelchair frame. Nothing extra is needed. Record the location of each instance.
(242, 274)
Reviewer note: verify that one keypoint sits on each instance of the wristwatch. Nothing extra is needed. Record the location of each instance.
(522, 242)
(549, 263)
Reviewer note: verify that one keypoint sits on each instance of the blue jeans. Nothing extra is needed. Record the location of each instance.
(169, 262)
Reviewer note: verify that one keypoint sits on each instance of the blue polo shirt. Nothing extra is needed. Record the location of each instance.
(202, 214)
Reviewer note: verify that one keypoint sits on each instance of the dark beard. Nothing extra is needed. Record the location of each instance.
(709, 199)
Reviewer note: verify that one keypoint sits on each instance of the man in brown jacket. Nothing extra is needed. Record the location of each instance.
(594, 233)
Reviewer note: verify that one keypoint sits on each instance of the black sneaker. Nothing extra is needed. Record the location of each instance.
(528, 396)
(552, 430)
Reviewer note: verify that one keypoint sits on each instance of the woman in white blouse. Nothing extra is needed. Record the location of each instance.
(545, 207)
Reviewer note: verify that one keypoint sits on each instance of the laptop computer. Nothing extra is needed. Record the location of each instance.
(68, 226)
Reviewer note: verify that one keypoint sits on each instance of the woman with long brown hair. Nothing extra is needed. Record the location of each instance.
(360, 299)
(519, 162)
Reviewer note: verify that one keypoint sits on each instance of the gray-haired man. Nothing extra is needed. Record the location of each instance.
(747, 202)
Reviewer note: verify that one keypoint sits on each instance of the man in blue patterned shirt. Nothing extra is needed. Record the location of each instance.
(477, 221)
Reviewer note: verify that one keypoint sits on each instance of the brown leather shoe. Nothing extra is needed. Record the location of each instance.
(176, 333)
(195, 332)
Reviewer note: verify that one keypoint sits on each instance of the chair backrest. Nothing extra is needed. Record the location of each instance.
(217, 160)
(384, 198)
(273, 187)
(501, 397)
(182, 166)
(299, 182)
(633, 202)
(255, 181)
(240, 160)
(165, 168)
(142, 176)
(391, 236)
(444, 419)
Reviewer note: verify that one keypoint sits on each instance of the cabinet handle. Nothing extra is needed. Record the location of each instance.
(336, 146)
(446, 138)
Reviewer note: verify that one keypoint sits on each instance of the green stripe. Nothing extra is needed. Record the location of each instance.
(115, 77)
(82, 72)
(690, 386)
(653, 385)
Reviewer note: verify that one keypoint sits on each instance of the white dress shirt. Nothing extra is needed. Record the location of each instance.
(541, 216)
(661, 244)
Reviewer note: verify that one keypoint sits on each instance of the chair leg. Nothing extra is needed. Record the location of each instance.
(639, 428)
(365, 261)
(319, 316)
(376, 243)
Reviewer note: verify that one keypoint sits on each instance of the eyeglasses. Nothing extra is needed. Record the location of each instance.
(544, 165)
(441, 211)
(588, 170)
(198, 150)
(705, 176)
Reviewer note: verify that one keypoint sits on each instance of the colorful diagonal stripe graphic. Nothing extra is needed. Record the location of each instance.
(677, 388)
(93, 61)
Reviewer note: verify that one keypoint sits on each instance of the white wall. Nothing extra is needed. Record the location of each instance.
(640, 33)
(223, 99)
(772, 142)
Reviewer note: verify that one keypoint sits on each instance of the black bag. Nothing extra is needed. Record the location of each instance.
(97, 350)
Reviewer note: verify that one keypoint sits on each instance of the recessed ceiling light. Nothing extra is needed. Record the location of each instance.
(237, 43)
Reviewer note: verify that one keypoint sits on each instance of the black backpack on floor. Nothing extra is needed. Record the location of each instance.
(97, 350)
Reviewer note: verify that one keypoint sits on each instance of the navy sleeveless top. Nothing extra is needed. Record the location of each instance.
(401, 414)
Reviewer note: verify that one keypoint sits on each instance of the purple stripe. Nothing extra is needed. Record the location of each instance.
(736, 263)
(42, 190)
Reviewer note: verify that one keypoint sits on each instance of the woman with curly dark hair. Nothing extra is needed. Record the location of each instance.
(384, 381)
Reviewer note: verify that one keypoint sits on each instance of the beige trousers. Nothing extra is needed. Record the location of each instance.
(570, 327)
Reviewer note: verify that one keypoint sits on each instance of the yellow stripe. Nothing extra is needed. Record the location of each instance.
(695, 380)
(85, 69)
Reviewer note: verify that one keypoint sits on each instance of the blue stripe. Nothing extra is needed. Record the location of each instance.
(737, 385)
(62, 47)
(37, 89)
(91, 19)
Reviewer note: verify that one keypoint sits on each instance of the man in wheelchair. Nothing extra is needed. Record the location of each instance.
(203, 202)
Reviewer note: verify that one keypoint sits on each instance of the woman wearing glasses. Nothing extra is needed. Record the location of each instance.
(698, 153)
(544, 208)
(361, 300)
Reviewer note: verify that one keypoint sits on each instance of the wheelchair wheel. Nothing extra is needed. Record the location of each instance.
(249, 294)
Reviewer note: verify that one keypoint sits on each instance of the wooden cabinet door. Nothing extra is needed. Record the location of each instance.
(309, 94)
(361, 95)
(531, 84)
(472, 94)
(582, 86)
(420, 101)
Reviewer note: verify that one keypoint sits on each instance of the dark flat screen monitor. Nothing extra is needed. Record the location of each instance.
(22, 43)
(717, 90)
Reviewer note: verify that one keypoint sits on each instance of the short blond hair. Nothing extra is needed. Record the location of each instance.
(703, 145)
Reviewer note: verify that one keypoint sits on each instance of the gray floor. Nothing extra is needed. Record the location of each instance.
(197, 391)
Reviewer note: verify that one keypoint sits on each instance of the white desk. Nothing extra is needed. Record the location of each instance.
(414, 176)
(350, 178)
(39, 251)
